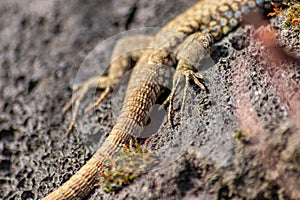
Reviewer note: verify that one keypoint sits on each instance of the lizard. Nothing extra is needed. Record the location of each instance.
(196, 30)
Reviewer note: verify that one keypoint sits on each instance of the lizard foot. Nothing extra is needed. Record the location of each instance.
(80, 90)
(190, 76)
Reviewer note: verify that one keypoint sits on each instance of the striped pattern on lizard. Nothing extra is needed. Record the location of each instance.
(201, 25)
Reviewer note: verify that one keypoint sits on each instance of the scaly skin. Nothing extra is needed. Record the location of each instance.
(207, 16)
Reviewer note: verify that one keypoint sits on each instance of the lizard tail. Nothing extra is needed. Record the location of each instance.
(144, 92)
(84, 181)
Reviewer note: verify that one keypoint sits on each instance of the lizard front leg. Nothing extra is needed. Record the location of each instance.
(126, 51)
(189, 54)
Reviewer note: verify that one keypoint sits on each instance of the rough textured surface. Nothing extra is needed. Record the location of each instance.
(42, 46)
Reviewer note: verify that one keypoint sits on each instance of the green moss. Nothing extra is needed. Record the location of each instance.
(130, 163)
(292, 18)
(291, 15)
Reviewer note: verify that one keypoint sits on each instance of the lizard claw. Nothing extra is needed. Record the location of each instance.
(80, 91)
(75, 101)
(189, 75)
(100, 99)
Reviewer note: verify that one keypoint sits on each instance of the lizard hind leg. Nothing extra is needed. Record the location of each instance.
(189, 54)
(126, 51)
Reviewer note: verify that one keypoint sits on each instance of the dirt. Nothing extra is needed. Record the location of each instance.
(239, 140)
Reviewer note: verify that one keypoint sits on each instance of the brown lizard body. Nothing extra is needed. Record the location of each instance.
(216, 18)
